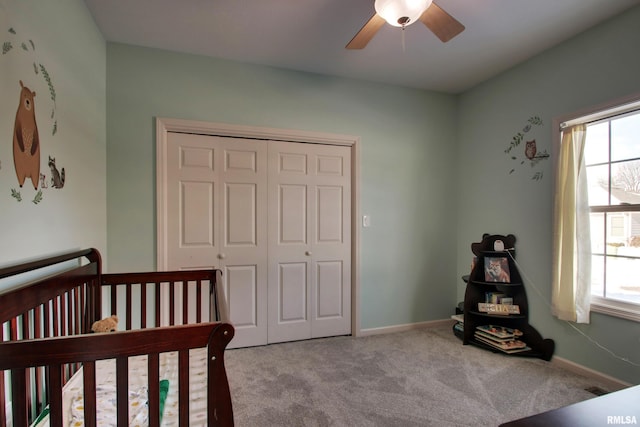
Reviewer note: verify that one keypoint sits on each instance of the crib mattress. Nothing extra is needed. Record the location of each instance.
(106, 411)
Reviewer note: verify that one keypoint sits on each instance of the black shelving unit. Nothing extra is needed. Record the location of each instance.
(479, 284)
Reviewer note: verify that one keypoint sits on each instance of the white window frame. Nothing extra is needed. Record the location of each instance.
(599, 304)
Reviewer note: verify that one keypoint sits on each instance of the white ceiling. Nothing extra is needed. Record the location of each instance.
(310, 35)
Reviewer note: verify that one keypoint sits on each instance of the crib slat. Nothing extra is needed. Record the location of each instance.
(114, 300)
(55, 400)
(19, 388)
(153, 369)
(25, 326)
(157, 305)
(172, 304)
(80, 314)
(54, 320)
(3, 414)
(199, 285)
(47, 321)
(185, 302)
(183, 387)
(73, 311)
(64, 332)
(37, 322)
(77, 303)
(128, 309)
(122, 386)
(89, 381)
(143, 305)
(37, 333)
(94, 303)
(26, 334)
(63, 318)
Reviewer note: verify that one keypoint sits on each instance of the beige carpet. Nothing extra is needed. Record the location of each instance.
(423, 377)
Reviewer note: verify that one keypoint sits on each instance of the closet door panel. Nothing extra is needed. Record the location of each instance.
(192, 201)
(241, 215)
(330, 289)
(331, 241)
(243, 239)
(216, 216)
(309, 224)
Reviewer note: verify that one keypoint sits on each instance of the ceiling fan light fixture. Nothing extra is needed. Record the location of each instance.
(401, 13)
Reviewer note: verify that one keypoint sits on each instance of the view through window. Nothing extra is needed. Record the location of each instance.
(612, 159)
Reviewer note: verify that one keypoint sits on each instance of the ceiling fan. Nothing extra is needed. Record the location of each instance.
(401, 13)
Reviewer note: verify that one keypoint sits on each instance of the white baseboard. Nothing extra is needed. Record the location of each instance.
(402, 328)
(612, 383)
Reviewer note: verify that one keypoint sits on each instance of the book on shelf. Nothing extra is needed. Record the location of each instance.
(459, 326)
(504, 309)
(502, 338)
(511, 346)
(516, 350)
(494, 297)
(458, 317)
(492, 337)
(497, 298)
(500, 332)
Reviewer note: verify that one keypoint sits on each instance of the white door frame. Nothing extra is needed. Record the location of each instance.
(165, 125)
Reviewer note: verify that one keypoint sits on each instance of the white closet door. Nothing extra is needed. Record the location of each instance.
(216, 217)
(192, 198)
(309, 290)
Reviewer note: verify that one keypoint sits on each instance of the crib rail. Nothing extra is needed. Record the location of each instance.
(19, 356)
(148, 300)
(47, 305)
(61, 296)
(67, 289)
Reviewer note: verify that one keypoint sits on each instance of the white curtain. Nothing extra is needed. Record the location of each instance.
(571, 285)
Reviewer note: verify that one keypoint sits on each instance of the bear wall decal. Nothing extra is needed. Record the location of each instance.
(26, 142)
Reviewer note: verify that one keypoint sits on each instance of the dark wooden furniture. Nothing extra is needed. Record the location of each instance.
(477, 288)
(618, 408)
(46, 315)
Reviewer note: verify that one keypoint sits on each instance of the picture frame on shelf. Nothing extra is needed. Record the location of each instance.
(496, 269)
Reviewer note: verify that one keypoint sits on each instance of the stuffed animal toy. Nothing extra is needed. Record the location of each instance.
(109, 324)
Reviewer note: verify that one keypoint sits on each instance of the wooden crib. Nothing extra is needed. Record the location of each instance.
(45, 338)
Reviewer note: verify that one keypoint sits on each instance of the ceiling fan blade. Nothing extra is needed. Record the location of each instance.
(366, 33)
(443, 25)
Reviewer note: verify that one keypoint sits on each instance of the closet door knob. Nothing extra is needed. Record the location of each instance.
(308, 253)
(221, 256)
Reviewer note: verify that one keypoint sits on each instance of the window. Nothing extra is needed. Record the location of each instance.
(612, 161)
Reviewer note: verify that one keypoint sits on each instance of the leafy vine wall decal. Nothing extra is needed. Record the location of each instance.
(27, 139)
(38, 69)
(530, 153)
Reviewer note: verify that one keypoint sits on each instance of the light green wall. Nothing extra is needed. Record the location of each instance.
(598, 66)
(407, 150)
(62, 37)
(416, 147)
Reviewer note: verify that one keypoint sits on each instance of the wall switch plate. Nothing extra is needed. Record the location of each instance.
(366, 221)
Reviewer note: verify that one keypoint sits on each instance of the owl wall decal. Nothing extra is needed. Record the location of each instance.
(530, 149)
(531, 154)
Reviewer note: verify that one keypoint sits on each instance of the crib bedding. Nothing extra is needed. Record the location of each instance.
(73, 400)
